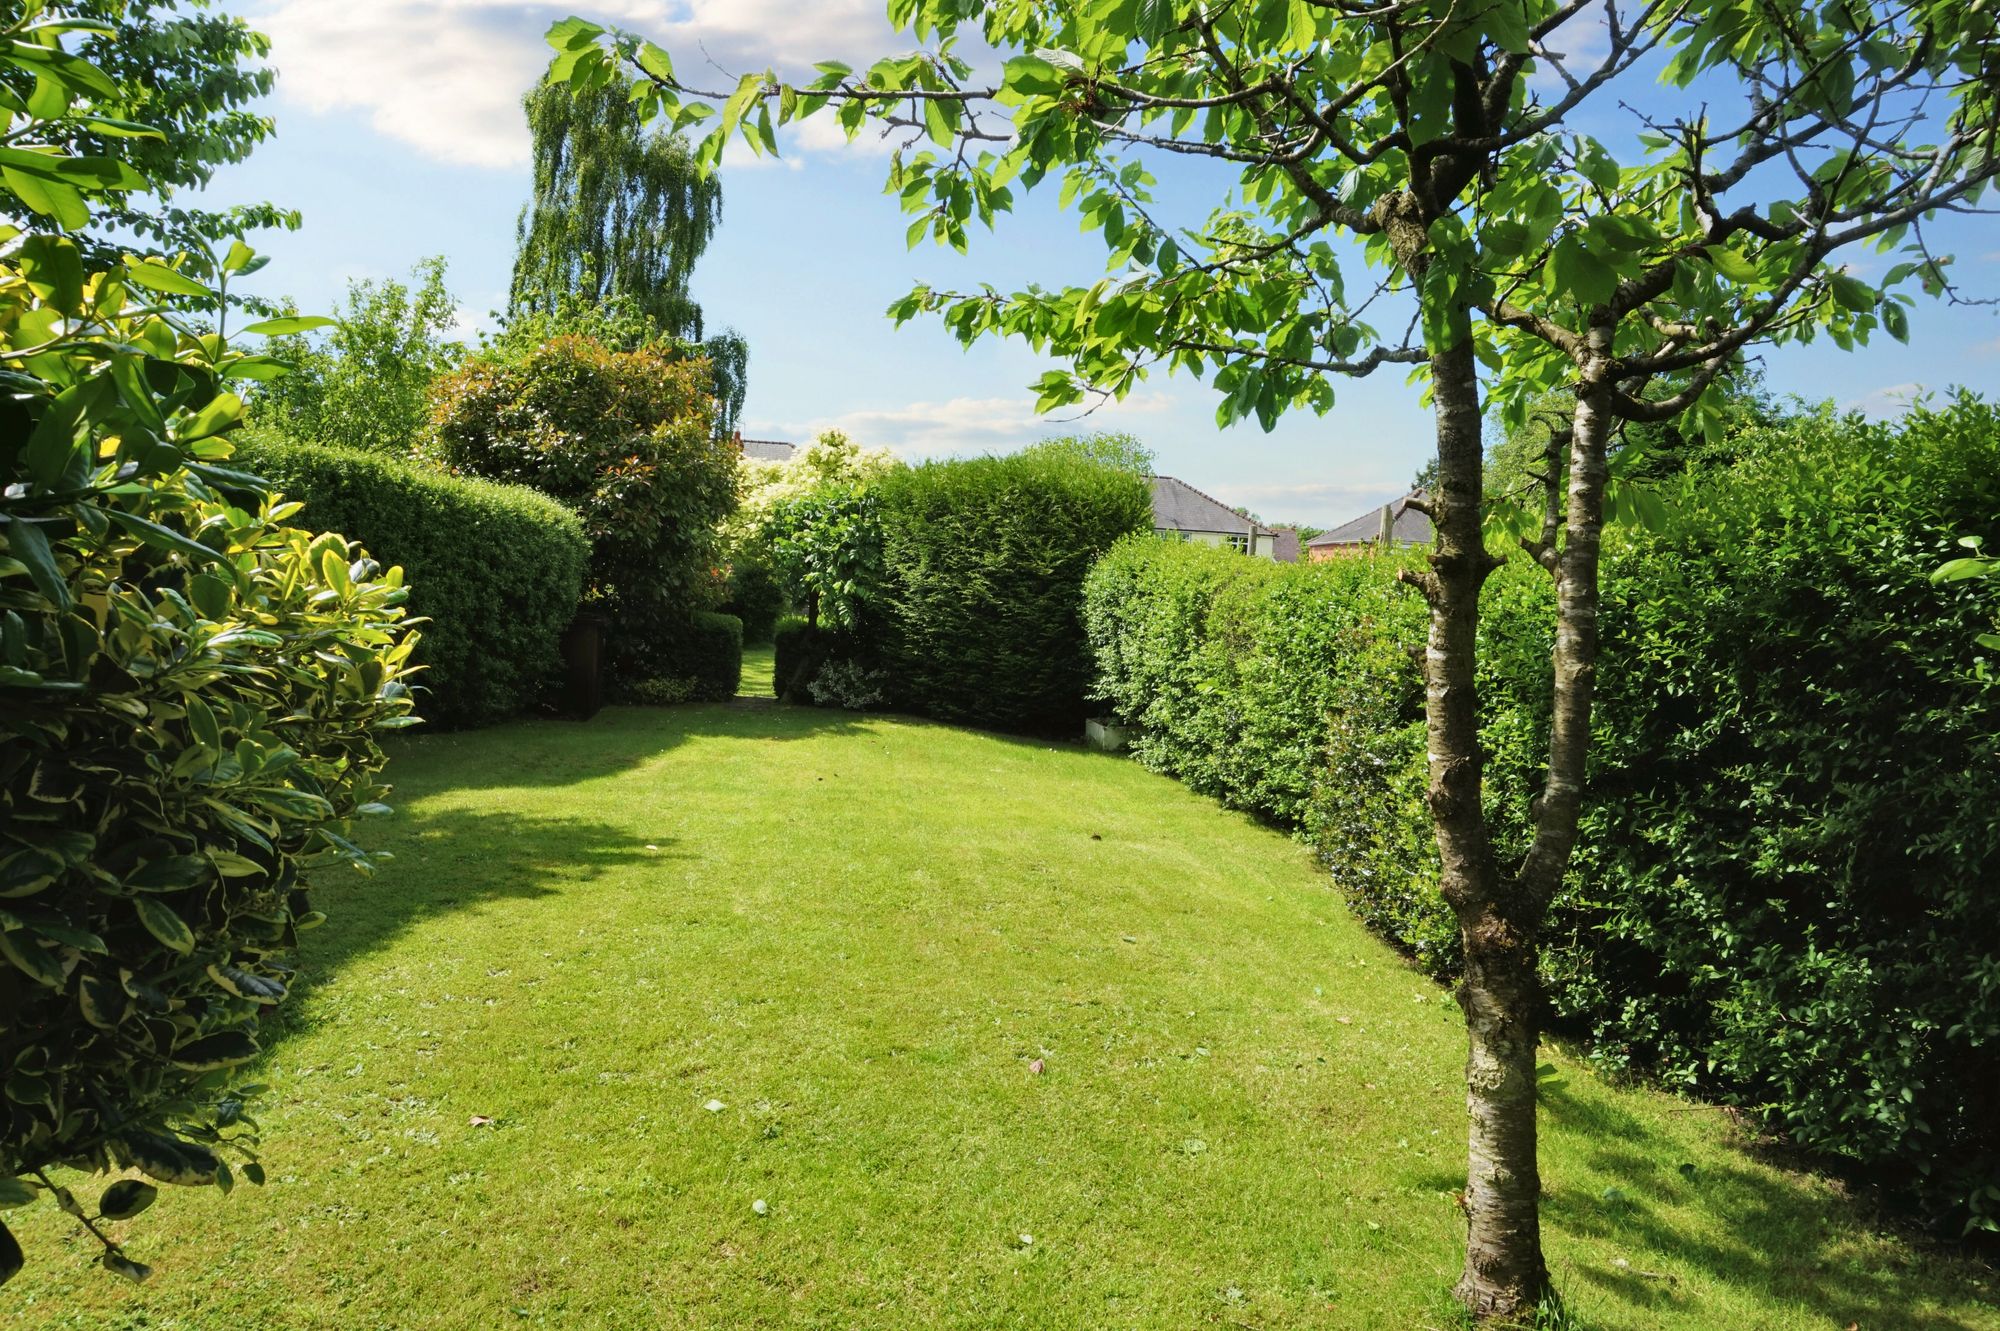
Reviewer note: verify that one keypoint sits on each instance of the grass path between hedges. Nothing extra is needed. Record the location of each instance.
(628, 978)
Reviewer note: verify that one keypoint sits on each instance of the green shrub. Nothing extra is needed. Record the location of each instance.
(1782, 893)
(626, 439)
(191, 693)
(496, 570)
(800, 652)
(702, 661)
(755, 598)
(979, 618)
(1791, 842)
(365, 383)
(1235, 666)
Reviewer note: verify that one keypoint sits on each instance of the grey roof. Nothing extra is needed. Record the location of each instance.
(1178, 506)
(769, 450)
(1410, 527)
(1286, 549)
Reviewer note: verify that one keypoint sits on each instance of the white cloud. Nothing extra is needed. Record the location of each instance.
(959, 426)
(1885, 403)
(447, 76)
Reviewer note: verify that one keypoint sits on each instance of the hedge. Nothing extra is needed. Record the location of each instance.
(704, 659)
(495, 570)
(1783, 893)
(979, 616)
(755, 598)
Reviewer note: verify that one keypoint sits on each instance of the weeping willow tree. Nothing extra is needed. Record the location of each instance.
(611, 234)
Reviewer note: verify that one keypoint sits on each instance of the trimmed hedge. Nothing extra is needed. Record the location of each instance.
(755, 598)
(979, 616)
(706, 657)
(495, 570)
(1782, 896)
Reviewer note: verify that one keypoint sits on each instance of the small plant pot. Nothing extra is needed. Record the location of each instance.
(1107, 736)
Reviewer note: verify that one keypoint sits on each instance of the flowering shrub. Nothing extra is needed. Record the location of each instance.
(625, 438)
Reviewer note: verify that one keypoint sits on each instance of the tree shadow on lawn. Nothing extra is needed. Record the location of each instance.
(452, 860)
(1782, 1241)
(548, 752)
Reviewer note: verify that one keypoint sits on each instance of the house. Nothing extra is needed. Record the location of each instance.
(766, 450)
(1396, 524)
(1183, 513)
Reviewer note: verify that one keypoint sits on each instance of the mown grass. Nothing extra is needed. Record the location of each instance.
(857, 934)
(759, 664)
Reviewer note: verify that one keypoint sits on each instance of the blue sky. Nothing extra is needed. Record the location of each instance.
(400, 136)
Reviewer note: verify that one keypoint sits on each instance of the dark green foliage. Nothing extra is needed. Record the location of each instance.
(798, 652)
(703, 660)
(625, 438)
(495, 570)
(979, 619)
(755, 598)
(1792, 841)
(1782, 896)
(826, 551)
(191, 697)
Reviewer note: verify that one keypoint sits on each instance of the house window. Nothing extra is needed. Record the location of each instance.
(1240, 543)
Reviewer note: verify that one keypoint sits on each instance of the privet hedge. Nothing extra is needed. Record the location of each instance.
(496, 570)
(979, 614)
(1783, 893)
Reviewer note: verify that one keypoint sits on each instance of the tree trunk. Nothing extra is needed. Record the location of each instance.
(1504, 1273)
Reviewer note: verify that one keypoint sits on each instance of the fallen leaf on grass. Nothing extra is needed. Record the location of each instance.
(479, 1121)
(1036, 1067)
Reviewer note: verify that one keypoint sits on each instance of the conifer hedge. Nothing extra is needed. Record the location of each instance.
(978, 619)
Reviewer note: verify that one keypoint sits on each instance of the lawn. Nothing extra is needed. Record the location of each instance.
(758, 663)
(999, 1034)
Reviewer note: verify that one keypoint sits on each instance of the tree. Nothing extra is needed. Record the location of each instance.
(189, 74)
(618, 218)
(626, 438)
(366, 382)
(1438, 141)
(1110, 448)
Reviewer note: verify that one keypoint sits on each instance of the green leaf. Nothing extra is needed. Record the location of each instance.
(126, 1198)
(31, 958)
(155, 276)
(1030, 75)
(224, 1050)
(115, 1260)
(17, 1192)
(27, 543)
(1896, 321)
(11, 1257)
(164, 538)
(285, 325)
(1732, 265)
(163, 924)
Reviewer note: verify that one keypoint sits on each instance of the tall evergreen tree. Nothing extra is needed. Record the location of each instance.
(619, 217)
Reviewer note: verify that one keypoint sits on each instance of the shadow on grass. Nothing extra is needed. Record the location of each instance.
(1778, 1237)
(547, 752)
(451, 860)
